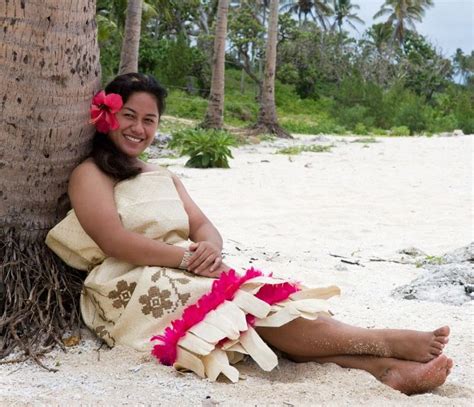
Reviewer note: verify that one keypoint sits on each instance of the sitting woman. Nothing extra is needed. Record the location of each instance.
(157, 280)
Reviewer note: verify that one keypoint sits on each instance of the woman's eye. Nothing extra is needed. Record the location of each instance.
(129, 116)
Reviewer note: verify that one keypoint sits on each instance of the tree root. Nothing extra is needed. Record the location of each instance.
(39, 300)
(274, 128)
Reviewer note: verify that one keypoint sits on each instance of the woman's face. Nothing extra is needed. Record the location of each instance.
(138, 121)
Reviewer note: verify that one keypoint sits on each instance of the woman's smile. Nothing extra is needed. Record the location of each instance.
(138, 122)
(133, 139)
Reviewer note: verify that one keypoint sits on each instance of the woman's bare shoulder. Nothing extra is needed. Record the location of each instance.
(88, 172)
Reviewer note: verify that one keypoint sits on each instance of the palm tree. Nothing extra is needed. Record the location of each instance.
(464, 66)
(403, 13)
(267, 121)
(321, 9)
(46, 84)
(131, 39)
(344, 11)
(215, 109)
(380, 35)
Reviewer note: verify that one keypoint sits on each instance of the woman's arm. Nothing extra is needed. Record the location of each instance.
(200, 227)
(208, 247)
(92, 197)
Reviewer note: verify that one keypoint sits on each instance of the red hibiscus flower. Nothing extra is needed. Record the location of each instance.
(103, 111)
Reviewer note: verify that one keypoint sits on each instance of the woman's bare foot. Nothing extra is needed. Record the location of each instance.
(416, 346)
(413, 377)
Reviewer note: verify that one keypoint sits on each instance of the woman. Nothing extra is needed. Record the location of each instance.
(130, 228)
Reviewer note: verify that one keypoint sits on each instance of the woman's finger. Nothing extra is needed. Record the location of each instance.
(197, 257)
(206, 263)
(216, 264)
(193, 246)
(197, 261)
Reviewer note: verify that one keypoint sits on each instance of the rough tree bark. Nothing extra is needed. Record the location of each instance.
(214, 117)
(49, 71)
(267, 121)
(131, 38)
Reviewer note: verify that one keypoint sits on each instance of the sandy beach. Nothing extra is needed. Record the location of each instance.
(299, 216)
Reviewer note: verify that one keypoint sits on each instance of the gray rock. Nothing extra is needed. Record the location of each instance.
(412, 251)
(458, 132)
(446, 283)
(161, 138)
(450, 282)
(460, 255)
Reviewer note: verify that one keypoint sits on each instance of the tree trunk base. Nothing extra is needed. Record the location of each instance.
(208, 124)
(39, 300)
(274, 128)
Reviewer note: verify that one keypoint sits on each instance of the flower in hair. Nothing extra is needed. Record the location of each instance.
(103, 111)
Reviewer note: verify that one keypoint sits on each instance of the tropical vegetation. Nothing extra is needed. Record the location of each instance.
(326, 80)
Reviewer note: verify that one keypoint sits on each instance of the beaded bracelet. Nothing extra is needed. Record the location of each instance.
(184, 262)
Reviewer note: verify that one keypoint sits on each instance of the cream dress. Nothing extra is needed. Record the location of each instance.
(126, 304)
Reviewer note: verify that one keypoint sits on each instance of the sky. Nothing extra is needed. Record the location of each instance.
(449, 24)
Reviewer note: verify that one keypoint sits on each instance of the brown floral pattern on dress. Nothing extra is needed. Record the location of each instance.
(156, 302)
(182, 297)
(122, 294)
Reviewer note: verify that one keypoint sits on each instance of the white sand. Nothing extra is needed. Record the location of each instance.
(288, 215)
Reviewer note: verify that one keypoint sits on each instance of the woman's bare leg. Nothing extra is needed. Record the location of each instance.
(405, 376)
(328, 337)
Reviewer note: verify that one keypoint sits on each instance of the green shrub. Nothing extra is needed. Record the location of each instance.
(351, 116)
(181, 104)
(440, 124)
(414, 114)
(174, 61)
(305, 124)
(206, 148)
(464, 111)
(360, 129)
(378, 132)
(239, 111)
(400, 131)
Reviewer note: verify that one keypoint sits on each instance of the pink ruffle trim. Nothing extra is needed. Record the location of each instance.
(223, 289)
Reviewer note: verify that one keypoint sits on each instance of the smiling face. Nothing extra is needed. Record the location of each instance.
(138, 121)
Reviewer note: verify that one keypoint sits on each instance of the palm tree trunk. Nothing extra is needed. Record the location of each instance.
(131, 38)
(267, 121)
(46, 84)
(215, 109)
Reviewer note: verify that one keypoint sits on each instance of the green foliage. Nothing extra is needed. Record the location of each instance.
(303, 124)
(144, 156)
(463, 108)
(400, 131)
(313, 148)
(327, 82)
(174, 61)
(206, 148)
(378, 131)
(426, 71)
(181, 104)
(431, 260)
(360, 129)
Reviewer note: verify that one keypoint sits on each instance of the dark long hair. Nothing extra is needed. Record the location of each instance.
(104, 153)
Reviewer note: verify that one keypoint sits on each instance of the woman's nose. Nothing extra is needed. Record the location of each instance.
(137, 127)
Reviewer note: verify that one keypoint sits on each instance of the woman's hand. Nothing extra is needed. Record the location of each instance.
(206, 258)
(223, 268)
